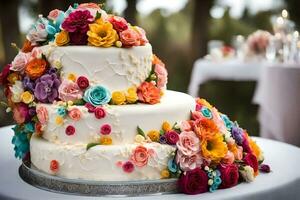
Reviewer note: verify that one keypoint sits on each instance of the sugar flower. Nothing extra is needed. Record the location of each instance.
(38, 33)
(118, 98)
(188, 162)
(62, 38)
(188, 143)
(194, 181)
(119, 23)
(42, 114)
(129, 37)
(28, 84)
(27, 97)
(128, 167)
(140, 156)
(74, 114)
(105, 129)
(148, 93)
(35, 68)
(16, 90)
(19, 62)
(97, 95)
(153, 135)
(20, 140)
(102, 34)
(213, 148)
(69, 91)
(131, 95)
(247, 173)
(161, 73)
(21, 113)
(46, 88)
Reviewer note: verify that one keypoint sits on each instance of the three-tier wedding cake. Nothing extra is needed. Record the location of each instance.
(90, 102)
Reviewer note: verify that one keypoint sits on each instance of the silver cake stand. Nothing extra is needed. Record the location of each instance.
(33, 176)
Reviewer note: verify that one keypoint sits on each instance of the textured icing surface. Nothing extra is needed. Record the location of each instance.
(99, 162)
(124, 119)
(113, 68)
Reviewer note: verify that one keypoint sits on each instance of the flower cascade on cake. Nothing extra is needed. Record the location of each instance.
(212, 151)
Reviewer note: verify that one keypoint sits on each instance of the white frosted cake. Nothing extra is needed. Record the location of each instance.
(90, 101)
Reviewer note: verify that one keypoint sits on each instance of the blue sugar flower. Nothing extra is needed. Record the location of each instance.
(206, 112)
(172, 166)
(97, 95)
(21, 139)
(61, 111)
(226, 121)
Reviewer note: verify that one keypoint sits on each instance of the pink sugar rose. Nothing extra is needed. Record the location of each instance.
(185, 126)
(90, 107)
(140, 156)
(119, 23)
(239, 154)
(188, 163)
(129, 38)
(162, 75)
(229, 158)
(196, 115)
(42, 114)
(188, 143)
(74, 114)
(69, 91)
(93, 8)
(36, 53)
(21, 113)
(218, 120)
(19, 62)
(142, 35)
(53, 14)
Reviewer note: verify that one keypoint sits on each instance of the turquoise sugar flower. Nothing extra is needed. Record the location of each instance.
(227, 121)
(20, 139)
(97, 95)
(172, 166)
(214, 180)
(206, 112)
(61, 111)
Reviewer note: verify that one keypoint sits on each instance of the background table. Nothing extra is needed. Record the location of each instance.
(283, 182)
(236, 70)
(278, 96)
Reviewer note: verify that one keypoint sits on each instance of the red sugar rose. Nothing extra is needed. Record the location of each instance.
(54, 166)
(128, 167)
(250, 159)
(193, 182)
(82, 82)
(99, 112)
(70, 130)
(229, 175)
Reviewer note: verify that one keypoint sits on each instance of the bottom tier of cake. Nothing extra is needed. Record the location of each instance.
(102, 162)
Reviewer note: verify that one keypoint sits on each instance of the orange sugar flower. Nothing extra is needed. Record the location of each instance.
(36, 68)
(205, 128)
(27, 47)
(148, 93)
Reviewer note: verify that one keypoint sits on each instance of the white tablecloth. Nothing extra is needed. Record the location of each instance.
(236, 70)
(282, 183)
(278, 96)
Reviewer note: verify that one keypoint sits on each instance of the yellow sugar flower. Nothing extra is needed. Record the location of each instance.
(166, 126)
(118, 98)
(59, 120)
(62, 38)
(106, 140)
(131, 96)
(72, 77)
(27, 97)
(102, 34)
(214, 148)
(13, 77)
(165, 173)
(204, 102)
(153, 135)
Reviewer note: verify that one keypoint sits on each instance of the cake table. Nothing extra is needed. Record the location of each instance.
(282, 182)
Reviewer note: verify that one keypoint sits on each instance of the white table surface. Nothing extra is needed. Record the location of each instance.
(233, 69)
(282, 183)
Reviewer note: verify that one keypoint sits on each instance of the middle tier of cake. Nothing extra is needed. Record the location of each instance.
(77, 125)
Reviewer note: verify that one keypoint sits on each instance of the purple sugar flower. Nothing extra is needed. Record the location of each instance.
(28, 84)
(46, 88)
(78, 21)
(237, 134)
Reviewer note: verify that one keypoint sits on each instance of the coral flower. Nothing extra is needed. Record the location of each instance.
(102, 34)
(36, 68)
(148, 93)
(214, 148)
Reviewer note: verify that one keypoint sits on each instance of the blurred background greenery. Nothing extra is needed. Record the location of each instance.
(178, 31)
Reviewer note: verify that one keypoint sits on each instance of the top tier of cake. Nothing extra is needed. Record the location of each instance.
(114, 68)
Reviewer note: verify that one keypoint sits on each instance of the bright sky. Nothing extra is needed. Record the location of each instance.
(170, 6)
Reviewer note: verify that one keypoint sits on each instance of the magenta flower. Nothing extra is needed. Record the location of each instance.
(128, 167)
(105, 129)
(77, 24)
(46, 88)
(172, 137)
